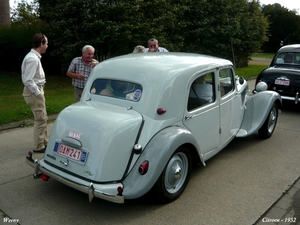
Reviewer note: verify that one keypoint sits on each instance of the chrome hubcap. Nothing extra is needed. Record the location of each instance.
(272, 120)
(176, 172)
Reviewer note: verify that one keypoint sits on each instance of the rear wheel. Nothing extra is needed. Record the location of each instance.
(175, 177)
(269, 125)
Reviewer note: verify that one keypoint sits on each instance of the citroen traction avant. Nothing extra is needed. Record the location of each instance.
(145, 119)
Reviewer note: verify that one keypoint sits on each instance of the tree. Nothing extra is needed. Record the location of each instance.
(284, 25)
(231, 29)
(112, 27)
(26, 15)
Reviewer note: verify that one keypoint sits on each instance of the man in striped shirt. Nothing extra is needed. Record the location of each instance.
(80, 69)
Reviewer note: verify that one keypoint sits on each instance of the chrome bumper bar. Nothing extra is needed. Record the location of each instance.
(93, 190)
(296, 99)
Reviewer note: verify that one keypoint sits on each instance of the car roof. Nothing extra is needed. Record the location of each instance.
(154, 65)
(290, 48)
(163, 76)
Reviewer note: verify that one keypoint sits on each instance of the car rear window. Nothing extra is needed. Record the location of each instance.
(117, 89)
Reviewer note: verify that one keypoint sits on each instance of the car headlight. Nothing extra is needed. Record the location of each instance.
(261, 86)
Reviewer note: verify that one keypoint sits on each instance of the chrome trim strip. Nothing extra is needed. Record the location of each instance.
(93, 190)
(296, 99)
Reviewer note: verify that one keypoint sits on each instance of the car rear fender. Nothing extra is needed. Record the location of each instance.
(257, 108)
(158, 152)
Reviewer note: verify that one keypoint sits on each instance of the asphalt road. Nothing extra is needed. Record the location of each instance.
(236, 187)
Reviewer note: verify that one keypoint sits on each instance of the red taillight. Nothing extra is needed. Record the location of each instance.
(161, 111)
(120, 191)
(44, 177)
(143, 168)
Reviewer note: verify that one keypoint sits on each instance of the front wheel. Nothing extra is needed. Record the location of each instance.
(175, 177)
(269, 125)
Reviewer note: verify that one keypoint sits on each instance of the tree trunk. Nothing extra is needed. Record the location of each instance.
(4, 12)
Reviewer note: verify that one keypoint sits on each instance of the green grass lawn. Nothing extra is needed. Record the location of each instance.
(250, 72)
(59, 92)
(263, 55)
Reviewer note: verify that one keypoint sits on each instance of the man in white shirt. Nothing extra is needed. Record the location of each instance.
(153, 46)
(33, 78)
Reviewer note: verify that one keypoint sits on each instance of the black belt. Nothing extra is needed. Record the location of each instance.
(78, 88)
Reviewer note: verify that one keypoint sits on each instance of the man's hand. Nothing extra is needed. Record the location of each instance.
(80, 76)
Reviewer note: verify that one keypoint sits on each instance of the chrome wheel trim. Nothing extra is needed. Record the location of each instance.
(272, 120)
(176, 172)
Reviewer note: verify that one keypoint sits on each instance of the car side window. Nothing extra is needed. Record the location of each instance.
(226, 81)
(280, 59)
(201, 91)
(297, 58)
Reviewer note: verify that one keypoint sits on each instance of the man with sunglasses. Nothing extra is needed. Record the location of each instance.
(153, 46)
(33, 78)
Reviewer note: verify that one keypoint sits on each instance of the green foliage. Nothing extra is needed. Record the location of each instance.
(26, 15)
(112, 27)
(284, 25)
(224, 28)
(231, 29)
(15, 42)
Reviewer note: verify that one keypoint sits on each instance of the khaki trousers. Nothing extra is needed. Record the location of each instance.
(77, 93)
(38, 108)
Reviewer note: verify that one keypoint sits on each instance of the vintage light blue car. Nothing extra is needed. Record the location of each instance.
(143, 121)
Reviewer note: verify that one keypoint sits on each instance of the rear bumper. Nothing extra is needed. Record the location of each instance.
(102, 191)
(295, 99)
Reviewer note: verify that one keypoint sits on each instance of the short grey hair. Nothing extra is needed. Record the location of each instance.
(139, 49)
(86, 47)
(153, 39)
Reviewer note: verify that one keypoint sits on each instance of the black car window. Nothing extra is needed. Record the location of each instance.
(201, 91)
(226, 81)
(287, 58)
(117, 89)
(297, 58)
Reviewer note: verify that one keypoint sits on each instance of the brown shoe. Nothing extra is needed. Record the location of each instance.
(40, 151)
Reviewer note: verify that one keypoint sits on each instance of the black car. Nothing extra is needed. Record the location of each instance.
(283, 74)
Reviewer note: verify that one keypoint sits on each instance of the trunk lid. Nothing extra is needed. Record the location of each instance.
(286, 81)
(94, 140)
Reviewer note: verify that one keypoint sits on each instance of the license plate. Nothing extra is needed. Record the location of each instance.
(282, 82)
(71, 153)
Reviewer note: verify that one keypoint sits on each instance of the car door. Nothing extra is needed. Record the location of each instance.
(231, 109)
(202, 117)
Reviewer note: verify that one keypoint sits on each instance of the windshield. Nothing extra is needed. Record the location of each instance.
(288, 58)
(117, 89)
